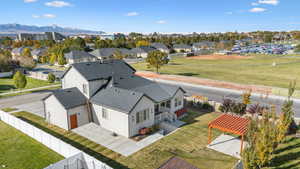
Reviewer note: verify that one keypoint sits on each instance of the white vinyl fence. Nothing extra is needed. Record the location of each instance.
(57, 145)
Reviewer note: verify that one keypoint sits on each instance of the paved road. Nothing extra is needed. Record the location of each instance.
(28, 90)
(217, 94)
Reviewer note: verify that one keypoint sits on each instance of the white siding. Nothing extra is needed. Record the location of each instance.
(74, 79)
(56, 114)
(143, 104)
(116, 121)
(179, 95)
(82, 115)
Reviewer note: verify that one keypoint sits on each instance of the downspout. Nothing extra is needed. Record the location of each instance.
(90, 114)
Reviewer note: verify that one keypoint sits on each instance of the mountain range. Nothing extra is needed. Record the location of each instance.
(18, 28)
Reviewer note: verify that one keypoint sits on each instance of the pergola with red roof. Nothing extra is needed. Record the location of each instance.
(231, 124)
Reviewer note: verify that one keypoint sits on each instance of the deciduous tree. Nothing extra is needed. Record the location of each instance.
(20, 80)
(156, 59)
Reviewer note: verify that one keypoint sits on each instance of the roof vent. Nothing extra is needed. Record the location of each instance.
(88, 64)
(133, 93)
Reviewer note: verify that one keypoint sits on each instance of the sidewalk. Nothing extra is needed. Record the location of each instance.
(29, 90)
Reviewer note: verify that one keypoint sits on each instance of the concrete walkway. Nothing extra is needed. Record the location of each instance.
(28, 90)
(227, 144)
(119, 144)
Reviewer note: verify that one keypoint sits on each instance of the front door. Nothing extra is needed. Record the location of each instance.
(73, 120)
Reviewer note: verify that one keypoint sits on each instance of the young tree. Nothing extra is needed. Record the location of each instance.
(156, 59)
(287, 115)
(142, 43)
(20, 80)
(26, 53)
(61, 60)
(51, 78)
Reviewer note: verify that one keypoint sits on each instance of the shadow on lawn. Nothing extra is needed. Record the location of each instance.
(112, 163)
(283, 159)
(193, 114)
(7, 87)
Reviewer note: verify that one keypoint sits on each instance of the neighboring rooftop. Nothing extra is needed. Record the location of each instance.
(181, 46)
(177, 163)
(77, 54)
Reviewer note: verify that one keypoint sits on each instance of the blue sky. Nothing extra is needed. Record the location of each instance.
(156, 15)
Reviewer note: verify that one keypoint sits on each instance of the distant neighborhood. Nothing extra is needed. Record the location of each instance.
(154, 101)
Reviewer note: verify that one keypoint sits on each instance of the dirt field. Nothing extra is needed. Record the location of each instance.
(215, 57)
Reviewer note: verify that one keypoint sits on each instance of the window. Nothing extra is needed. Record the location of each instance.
(163, 104)
(142, 116)
(84, 88)
(104, 113)
(156, 108)
(168, 104)
(178, 102)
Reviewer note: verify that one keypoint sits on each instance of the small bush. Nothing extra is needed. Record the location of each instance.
(51, 78)
(20, 80)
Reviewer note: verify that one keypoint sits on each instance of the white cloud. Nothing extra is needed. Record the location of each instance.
(36, 16)
(257, 10)
(29, 1)
(161, 22)
(49, 16)
(269, 2)
(57, 4)
(254, 4)
(229, 13)
(132, 14)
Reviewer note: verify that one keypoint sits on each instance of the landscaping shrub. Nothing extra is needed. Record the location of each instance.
(20, 80)
(51, 78)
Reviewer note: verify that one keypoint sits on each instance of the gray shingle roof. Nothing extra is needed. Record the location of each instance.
(97, 70)
(70, 98)
(159, 46)
(18, 51)
(181, 46)
(76, 54)
(117, 98)
(39, 52)
(143, 49)
(155, 91)
(109, 52)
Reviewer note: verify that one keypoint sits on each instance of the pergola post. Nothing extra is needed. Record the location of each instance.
(242, 142)
(209, 134)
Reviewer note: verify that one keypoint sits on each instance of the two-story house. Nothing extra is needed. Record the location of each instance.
(111, 95)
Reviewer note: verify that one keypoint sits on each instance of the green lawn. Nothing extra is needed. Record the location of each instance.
(7, 84)
(257, 70)
(189, 143)
(287, 156)
(19, 151)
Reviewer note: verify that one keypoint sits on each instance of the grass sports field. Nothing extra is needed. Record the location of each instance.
(268, 70)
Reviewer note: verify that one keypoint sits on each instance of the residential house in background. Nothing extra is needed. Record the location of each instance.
(203, 45)
(109, 94)
(161, 47)
(17, 52)
(37, 53)
(108, 53)
(142, 52)
(77, 56)
(182, 48)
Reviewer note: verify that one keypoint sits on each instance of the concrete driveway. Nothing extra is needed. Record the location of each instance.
(119, 144)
